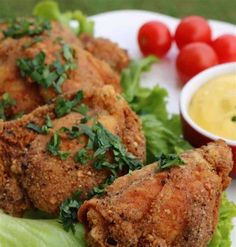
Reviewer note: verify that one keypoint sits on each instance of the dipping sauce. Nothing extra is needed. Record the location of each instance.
(213, 106)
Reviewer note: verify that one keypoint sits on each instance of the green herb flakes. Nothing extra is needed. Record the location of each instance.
(102, 142)
(21, 27)
(108, 152)
(54, 145)
(72, 133)
(68, 211)
(6, 102)
(64, 106)
(166, 161)
(48, 75)
(82, 156)
(233, 119)
(69, 54)
(82, 109)
(85, 119)
(41, 129)
(18, 115)
(34, 127)
(32, 42)
(100, 189)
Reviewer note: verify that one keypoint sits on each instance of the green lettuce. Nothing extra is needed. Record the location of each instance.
(49, 10)
(130, 77)
(18, 232)
(162, 130)
(160, 138)
(222, 234)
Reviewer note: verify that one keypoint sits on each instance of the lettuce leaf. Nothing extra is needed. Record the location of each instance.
(130, 78)
(225, 225)
(18, 232)
(160, 138)
(49, 10)
(162, 131)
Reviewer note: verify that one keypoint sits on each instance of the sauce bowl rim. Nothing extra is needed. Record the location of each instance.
(193, 85)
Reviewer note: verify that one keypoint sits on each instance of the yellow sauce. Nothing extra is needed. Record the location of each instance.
(213, 106)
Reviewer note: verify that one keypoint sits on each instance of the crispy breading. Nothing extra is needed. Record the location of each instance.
(177, 207)
(106, 50)
(45, 180)
(90, 70)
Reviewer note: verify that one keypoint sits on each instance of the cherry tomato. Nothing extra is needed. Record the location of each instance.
(194, 58)
(192, 29)
(225, 47)
(154, 38)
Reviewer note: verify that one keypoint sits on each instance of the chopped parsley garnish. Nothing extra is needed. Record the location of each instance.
(104, 144)
(71, 133)
(82, 109)
(5, 102)
(69, 54)
(64, 106)
(20, 27)
(41, 129)
(32, 42)
(68, 212)
(100, 189)
(166, 161)
(34, 127)
(48, 75)
(85, 119)
(233, 119)
(105, 141)
(18, 115)
(82, 156)
(54, 147)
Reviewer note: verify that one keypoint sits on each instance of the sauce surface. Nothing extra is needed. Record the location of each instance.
(213, 106)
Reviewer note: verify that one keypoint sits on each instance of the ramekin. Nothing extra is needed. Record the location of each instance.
(196, 135)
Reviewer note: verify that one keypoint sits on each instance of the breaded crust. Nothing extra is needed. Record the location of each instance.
(106, 50)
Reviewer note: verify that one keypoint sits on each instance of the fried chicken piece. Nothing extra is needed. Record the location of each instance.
(172, 208)
(30, 174)
(29, 94)
(12, 198)
(106, 50)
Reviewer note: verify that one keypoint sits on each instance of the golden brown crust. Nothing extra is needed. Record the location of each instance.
(174, 208)
(47, 181)
(106, 50)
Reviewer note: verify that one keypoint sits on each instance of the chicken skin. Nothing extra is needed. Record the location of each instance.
(33, 176)
(107, 51)
(29, 84)
(171, 208)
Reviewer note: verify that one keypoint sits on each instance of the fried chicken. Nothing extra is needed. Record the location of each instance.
(29, 94)
(171, 208)
(106, 50)
(31, 176)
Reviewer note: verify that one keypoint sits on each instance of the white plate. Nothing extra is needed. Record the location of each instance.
(122, 27)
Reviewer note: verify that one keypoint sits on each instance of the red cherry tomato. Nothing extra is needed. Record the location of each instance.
(192, 29)
(225, 47)
(194, 58)
(154, 38)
